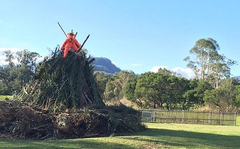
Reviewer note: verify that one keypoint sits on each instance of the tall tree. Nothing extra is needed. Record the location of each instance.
(5, 88)
(9, 57)
(164, 71)
(116, 85)
(27, 65)
(220, 70)
(15, 75)
(102, 80)
(27, 58)
(206, 62)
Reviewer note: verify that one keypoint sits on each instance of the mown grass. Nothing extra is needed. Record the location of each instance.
(2, 97)
(159, 135)
(238, 121)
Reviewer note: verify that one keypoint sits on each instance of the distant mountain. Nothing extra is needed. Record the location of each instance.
(105, 65)
(238, 77)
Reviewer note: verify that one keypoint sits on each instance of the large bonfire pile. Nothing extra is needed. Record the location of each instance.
(62, 101)
(63, 83)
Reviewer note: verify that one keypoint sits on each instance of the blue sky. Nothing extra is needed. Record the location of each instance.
(137, 35)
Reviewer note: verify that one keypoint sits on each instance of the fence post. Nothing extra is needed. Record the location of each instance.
(223, 119)
(210, 117)
(182, 115)
(235, 119)
(153, 115)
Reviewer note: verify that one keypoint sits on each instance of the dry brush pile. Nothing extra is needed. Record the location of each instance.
(62, 101)
(63, 83)
(19, 120)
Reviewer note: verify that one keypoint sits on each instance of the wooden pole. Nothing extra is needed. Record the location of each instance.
(62, 29)
(84, 42)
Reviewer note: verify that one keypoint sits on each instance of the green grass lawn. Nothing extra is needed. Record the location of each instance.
(159, 135)
(2, 97)
(238, 121)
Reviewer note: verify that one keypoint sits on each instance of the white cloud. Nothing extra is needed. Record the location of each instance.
(136, 65)
(3, 57)
(185, 72)
(2, 60)
(155, 68)
(11, 49)
(40, 59)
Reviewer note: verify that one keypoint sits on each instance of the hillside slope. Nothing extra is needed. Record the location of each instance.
(238, 77)
(105, 65)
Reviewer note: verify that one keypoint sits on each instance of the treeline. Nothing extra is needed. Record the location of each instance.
(212, 85)
(168, 91)
(19, 70)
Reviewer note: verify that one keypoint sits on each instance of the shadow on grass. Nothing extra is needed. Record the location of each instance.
(60, 144)
(159, 138)
(187, 139)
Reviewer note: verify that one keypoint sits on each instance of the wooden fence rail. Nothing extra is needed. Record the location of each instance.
(181, 116)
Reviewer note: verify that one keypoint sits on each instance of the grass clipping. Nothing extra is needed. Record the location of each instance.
(62, 101)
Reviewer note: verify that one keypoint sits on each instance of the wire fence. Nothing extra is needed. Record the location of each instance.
(181, 116)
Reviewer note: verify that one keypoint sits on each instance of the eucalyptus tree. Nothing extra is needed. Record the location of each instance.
(28, 59)
(4, 82)
(5, 72)
(207, 63)
(204, 53)
(124, 77)
(17, 74)
(164, 71)
(102, 80)
(109, 94)
(27, 63)
(220, 70)
(9, 57)
(116, 85)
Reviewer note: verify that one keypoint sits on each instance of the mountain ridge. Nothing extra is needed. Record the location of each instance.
(238, 77)
(105, 65)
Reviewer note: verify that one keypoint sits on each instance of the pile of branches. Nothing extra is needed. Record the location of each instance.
(19, 120)
(22, 121)
(63, 83)
(62, 101)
